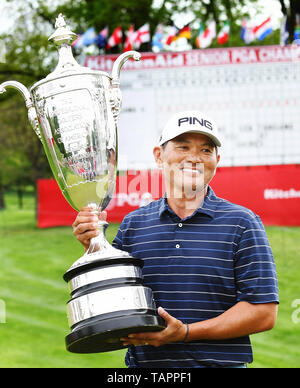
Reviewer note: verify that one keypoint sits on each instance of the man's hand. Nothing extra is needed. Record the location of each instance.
(85, 226)
(240, 320)
(175, 331)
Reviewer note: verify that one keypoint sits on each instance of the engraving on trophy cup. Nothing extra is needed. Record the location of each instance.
(74, 111)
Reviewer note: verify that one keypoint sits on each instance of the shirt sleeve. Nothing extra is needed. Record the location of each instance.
(255, 269)
(121, 235)
(118, 240)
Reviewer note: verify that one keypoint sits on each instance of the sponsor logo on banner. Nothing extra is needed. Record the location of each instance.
(281, 194)
(208, 57)
(132, 199)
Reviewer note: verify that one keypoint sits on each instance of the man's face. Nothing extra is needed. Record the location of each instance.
(189, 163)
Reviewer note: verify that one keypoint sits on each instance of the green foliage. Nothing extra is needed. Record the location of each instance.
(22, 158)
(82, 14)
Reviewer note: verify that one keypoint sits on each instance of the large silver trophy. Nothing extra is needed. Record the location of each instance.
(74, 111)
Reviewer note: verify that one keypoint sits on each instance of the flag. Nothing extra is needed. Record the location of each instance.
(185, 32)
(223, 34)
(263, 29)
(297, 28)
(157, 39)
(115, 38)
(142, 35)
(77, 42)
(89, 37)
(101, 38)
(200, 34)
(297, 32)
(171, 35)
(284, 34)
(180, 40)
(205, 37)
(130, 37)
(247, 34)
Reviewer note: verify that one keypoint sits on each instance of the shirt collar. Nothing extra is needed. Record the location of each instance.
(208, 206)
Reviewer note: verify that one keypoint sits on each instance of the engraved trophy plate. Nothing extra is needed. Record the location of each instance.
(74, 111)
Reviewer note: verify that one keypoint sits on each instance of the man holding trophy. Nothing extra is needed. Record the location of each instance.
(208, 261)
(203, 261)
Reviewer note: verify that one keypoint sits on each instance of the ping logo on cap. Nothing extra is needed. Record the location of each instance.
(193, 120)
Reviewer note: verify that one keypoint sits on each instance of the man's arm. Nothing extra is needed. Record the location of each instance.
(240, 320)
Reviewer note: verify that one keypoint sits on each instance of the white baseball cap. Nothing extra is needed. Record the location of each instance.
(191, 121)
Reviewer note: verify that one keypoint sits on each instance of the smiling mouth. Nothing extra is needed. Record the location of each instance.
(191, 170)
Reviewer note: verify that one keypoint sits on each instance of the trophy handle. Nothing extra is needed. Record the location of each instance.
(32, 116)
(115, 95)
(119, 62)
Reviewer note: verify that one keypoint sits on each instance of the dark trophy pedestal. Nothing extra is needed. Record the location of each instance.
(106, 309)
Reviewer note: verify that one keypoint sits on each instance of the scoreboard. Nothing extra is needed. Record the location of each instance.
(252, 93)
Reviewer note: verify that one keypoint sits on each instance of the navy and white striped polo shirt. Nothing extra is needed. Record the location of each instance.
(199, 267)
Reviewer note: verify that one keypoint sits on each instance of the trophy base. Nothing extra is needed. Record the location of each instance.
(108, 302)
(104, 335)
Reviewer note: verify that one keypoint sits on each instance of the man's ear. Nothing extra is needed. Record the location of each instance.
(157, 152)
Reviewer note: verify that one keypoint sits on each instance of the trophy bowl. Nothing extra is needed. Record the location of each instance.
(74, 111)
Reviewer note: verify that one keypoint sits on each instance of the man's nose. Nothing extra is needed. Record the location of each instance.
(194, 157)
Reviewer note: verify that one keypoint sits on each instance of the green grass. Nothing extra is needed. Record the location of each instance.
(279, 348)
(33, 261)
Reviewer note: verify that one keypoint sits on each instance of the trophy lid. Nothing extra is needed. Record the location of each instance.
(63, 38)
(62, 34)
(67, 64)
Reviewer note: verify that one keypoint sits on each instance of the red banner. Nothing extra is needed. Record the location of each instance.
(208, 57)
(273, 192)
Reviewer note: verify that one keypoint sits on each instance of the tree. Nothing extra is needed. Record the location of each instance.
(290, 8)
(22, 159)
